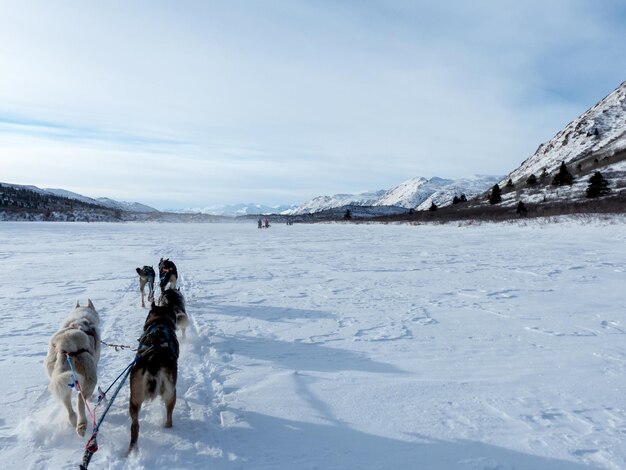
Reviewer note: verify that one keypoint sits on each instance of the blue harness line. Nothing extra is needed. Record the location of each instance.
(92, 444)
(76, 384)
(144, 349)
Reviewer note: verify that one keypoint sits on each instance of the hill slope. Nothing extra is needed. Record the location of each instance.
(594, 138)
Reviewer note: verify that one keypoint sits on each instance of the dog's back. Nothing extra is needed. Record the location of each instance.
(146, 278)
(174, 298)
(80, 347)
(146, 273)
(155, 371)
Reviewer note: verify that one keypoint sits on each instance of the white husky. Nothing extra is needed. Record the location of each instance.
(79, 339)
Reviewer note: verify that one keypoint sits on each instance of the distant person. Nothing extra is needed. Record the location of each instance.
(267, 223)
(260, 223)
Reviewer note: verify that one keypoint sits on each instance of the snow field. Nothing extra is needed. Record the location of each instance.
(334, 346)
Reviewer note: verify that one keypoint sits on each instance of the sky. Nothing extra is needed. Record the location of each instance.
(194, 104)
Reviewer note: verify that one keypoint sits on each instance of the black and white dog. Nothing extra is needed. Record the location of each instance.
(174, 299)
(155, 370)
(146, 278)
(167, 274)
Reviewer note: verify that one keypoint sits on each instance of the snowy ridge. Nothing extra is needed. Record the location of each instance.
(103, 201)
(416, 193)
(234, 210)
(471, 187)
(411, 193)
(322, 203)
(600, 129)
(125, 206)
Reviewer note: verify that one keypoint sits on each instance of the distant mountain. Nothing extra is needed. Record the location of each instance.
(416, 193)
(125, 206)
(102, 201)
(236, 210)
(30, 203)
(322, 203)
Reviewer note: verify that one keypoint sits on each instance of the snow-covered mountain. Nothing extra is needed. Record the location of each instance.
(598, 133)
(470, 187)
(235, 210)
(416, 193)
(420, 193)
(411, 193)
(125, 206)
(322, 203)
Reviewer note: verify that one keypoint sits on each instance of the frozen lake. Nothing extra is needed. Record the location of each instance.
(332, 346)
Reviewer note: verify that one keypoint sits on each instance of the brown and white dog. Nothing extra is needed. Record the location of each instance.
(146, 278)
(174, 298)
(155, 370)
(79, 339)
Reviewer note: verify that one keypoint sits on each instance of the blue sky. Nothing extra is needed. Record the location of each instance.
(199, 103)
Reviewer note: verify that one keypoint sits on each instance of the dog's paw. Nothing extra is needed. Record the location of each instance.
(81, 428)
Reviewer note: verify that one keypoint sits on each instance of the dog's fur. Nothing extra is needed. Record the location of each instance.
(78, 337)
(168, 274)
(156, 370)
(146, 278)
(174, 298)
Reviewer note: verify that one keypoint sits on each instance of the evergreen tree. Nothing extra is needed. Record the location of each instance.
(462, 198)
(509, 184)
(531, 180)
(347, 215)
(521, 209)
(563, 177)
(598, 186)
(455, 200)
(496, 195)
(433, 207)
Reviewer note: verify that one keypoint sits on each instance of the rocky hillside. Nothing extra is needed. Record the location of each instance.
(591, 140)
(30, 203)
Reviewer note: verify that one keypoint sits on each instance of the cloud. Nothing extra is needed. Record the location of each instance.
(223, 101)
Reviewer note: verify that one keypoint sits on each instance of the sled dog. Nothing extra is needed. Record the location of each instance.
(79, 339)
(146, 278)
(167, 274)
(176, 301)
(156, 368)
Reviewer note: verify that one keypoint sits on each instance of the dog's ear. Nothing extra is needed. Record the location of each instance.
(153, 305)
(77, 304)
(90, 304)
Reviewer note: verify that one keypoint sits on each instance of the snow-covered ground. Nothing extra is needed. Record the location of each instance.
(334, 346)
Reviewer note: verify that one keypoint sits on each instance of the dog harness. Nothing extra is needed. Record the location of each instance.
(76, 353)
(149, 340)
